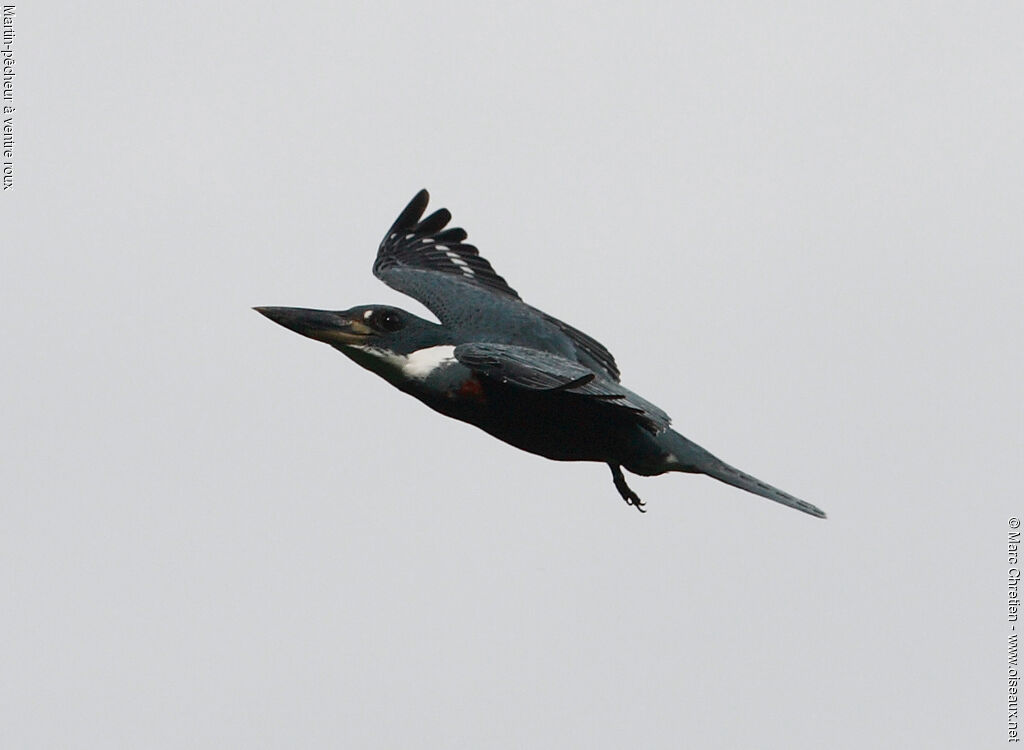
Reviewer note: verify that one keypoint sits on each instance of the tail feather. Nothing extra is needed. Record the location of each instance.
(690, 457)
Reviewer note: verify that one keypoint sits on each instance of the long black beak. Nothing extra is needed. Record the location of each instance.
(328, 326)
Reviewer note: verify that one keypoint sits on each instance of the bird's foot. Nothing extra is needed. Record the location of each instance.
(627, 494)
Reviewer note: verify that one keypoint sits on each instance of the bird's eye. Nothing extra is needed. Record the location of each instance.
(386, 320)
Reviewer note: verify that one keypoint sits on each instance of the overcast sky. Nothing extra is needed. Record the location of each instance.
(799, 229)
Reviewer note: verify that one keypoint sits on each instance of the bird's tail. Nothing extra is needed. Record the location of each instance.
(689, 457)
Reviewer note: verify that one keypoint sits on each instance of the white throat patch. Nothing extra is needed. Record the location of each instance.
(422, 362)
(416, 365)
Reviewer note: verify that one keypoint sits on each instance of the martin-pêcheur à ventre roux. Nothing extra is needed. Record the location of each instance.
(495, 362)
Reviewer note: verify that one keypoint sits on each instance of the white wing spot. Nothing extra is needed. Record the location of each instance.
(442, 247)
(463, 265)
(409, 236)
(367, 314)
(427, 240)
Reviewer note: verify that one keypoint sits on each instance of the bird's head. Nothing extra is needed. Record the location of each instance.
(378, 337)
(367, 326)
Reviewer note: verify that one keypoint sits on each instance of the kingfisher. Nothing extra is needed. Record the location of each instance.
(498, 363)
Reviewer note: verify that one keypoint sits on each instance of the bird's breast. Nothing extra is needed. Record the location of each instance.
(470, 389)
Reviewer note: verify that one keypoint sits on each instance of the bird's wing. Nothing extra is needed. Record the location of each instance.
(417, 252)
(537, 370)
(586, 346)
(424, 245)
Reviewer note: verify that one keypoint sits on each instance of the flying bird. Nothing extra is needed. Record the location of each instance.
(495, 362)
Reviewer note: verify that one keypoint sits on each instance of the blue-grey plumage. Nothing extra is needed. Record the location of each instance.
(510, 369)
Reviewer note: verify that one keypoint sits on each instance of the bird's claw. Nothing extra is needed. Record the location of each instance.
(636, 502)
(627, 494)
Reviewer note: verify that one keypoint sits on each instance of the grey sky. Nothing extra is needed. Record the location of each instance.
(798, 229)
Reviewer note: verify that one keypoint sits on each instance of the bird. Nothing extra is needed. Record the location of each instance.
(496, 362)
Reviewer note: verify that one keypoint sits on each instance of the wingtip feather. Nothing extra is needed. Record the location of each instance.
(412, 212)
